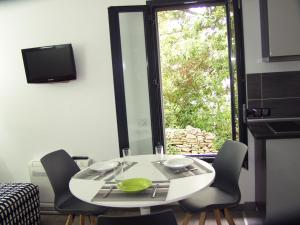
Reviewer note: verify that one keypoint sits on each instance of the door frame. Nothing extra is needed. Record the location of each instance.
(152, 53)
(157, 5)
(117, 64)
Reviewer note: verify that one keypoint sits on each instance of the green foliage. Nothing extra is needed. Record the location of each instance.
(195, 73)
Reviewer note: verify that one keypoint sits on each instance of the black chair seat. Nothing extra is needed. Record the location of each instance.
(209, 198)
(73, 205)
(60, 167)
(224, 192)
(159, 218)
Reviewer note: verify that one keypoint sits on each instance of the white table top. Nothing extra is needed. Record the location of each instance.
(179, 189)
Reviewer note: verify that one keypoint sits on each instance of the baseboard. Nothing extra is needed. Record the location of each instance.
(48, 210)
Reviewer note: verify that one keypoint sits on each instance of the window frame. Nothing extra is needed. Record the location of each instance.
(154, 78)
(158, 5)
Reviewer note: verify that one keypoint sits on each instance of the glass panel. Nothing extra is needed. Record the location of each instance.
(136, 82)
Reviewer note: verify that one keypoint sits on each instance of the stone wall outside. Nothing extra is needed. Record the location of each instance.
(189, 141)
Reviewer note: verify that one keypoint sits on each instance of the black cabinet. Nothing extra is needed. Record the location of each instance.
(277, 167)
(280, 30)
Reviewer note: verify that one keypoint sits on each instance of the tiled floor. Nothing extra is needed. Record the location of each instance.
(240, 217)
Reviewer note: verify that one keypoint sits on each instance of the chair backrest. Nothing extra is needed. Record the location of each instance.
(228, 164)
(59, 167)
(162, 218)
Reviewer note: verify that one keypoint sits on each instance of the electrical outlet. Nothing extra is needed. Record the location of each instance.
(258, 112)
(266, 111)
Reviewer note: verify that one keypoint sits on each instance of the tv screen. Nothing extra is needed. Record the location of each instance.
(49, 63)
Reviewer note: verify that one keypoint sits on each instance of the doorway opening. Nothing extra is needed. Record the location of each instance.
(196, 82)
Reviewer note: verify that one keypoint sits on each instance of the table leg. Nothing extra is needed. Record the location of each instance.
(145, 210)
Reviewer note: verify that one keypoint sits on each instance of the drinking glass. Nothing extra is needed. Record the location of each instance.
(119, 173)
(159, 151)
(126, 153)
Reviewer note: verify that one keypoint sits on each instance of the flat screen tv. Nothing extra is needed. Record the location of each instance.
(49, 63)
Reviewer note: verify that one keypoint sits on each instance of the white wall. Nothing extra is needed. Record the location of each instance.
(252, 38)
(78, 116)
(247, 177)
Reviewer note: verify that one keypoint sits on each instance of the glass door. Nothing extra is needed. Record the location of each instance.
(137, 64)
(130, 68)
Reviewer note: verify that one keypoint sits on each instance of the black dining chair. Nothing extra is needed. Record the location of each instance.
(224, 193)
(161, 218)
(60, 167)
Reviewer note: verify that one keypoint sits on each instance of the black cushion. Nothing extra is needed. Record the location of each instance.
(60, 167)
(160, 218)
(73, 205)
(224, 192)
(209, 198)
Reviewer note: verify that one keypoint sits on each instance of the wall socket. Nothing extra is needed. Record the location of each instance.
(258, 112)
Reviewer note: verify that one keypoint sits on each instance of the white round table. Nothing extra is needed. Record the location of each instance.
(179, 188)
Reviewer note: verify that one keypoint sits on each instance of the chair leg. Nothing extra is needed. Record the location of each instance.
(202, 218)
(228, 217)
(93, 220)
(218, 216)
(187, 218)
(81, 220)
(70, 219)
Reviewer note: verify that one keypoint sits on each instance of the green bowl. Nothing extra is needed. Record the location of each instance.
(134, 185)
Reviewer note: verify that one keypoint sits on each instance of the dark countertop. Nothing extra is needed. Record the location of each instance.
(261, 130)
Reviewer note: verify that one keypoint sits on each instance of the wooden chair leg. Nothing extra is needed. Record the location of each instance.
(202, 218)
(218, 216)
(187, 218)
(81, 220)
(70, 219)
(93, 220)
(228, 217)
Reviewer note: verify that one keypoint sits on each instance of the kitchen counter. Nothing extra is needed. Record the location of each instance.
(261, 130)
(276, 152)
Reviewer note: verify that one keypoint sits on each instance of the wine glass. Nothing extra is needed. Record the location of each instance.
(126, 154)
(159, 151)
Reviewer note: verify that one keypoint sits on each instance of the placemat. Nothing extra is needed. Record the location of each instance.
(90, 174)
(118, 195)
(127, 167)
(179, 173)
